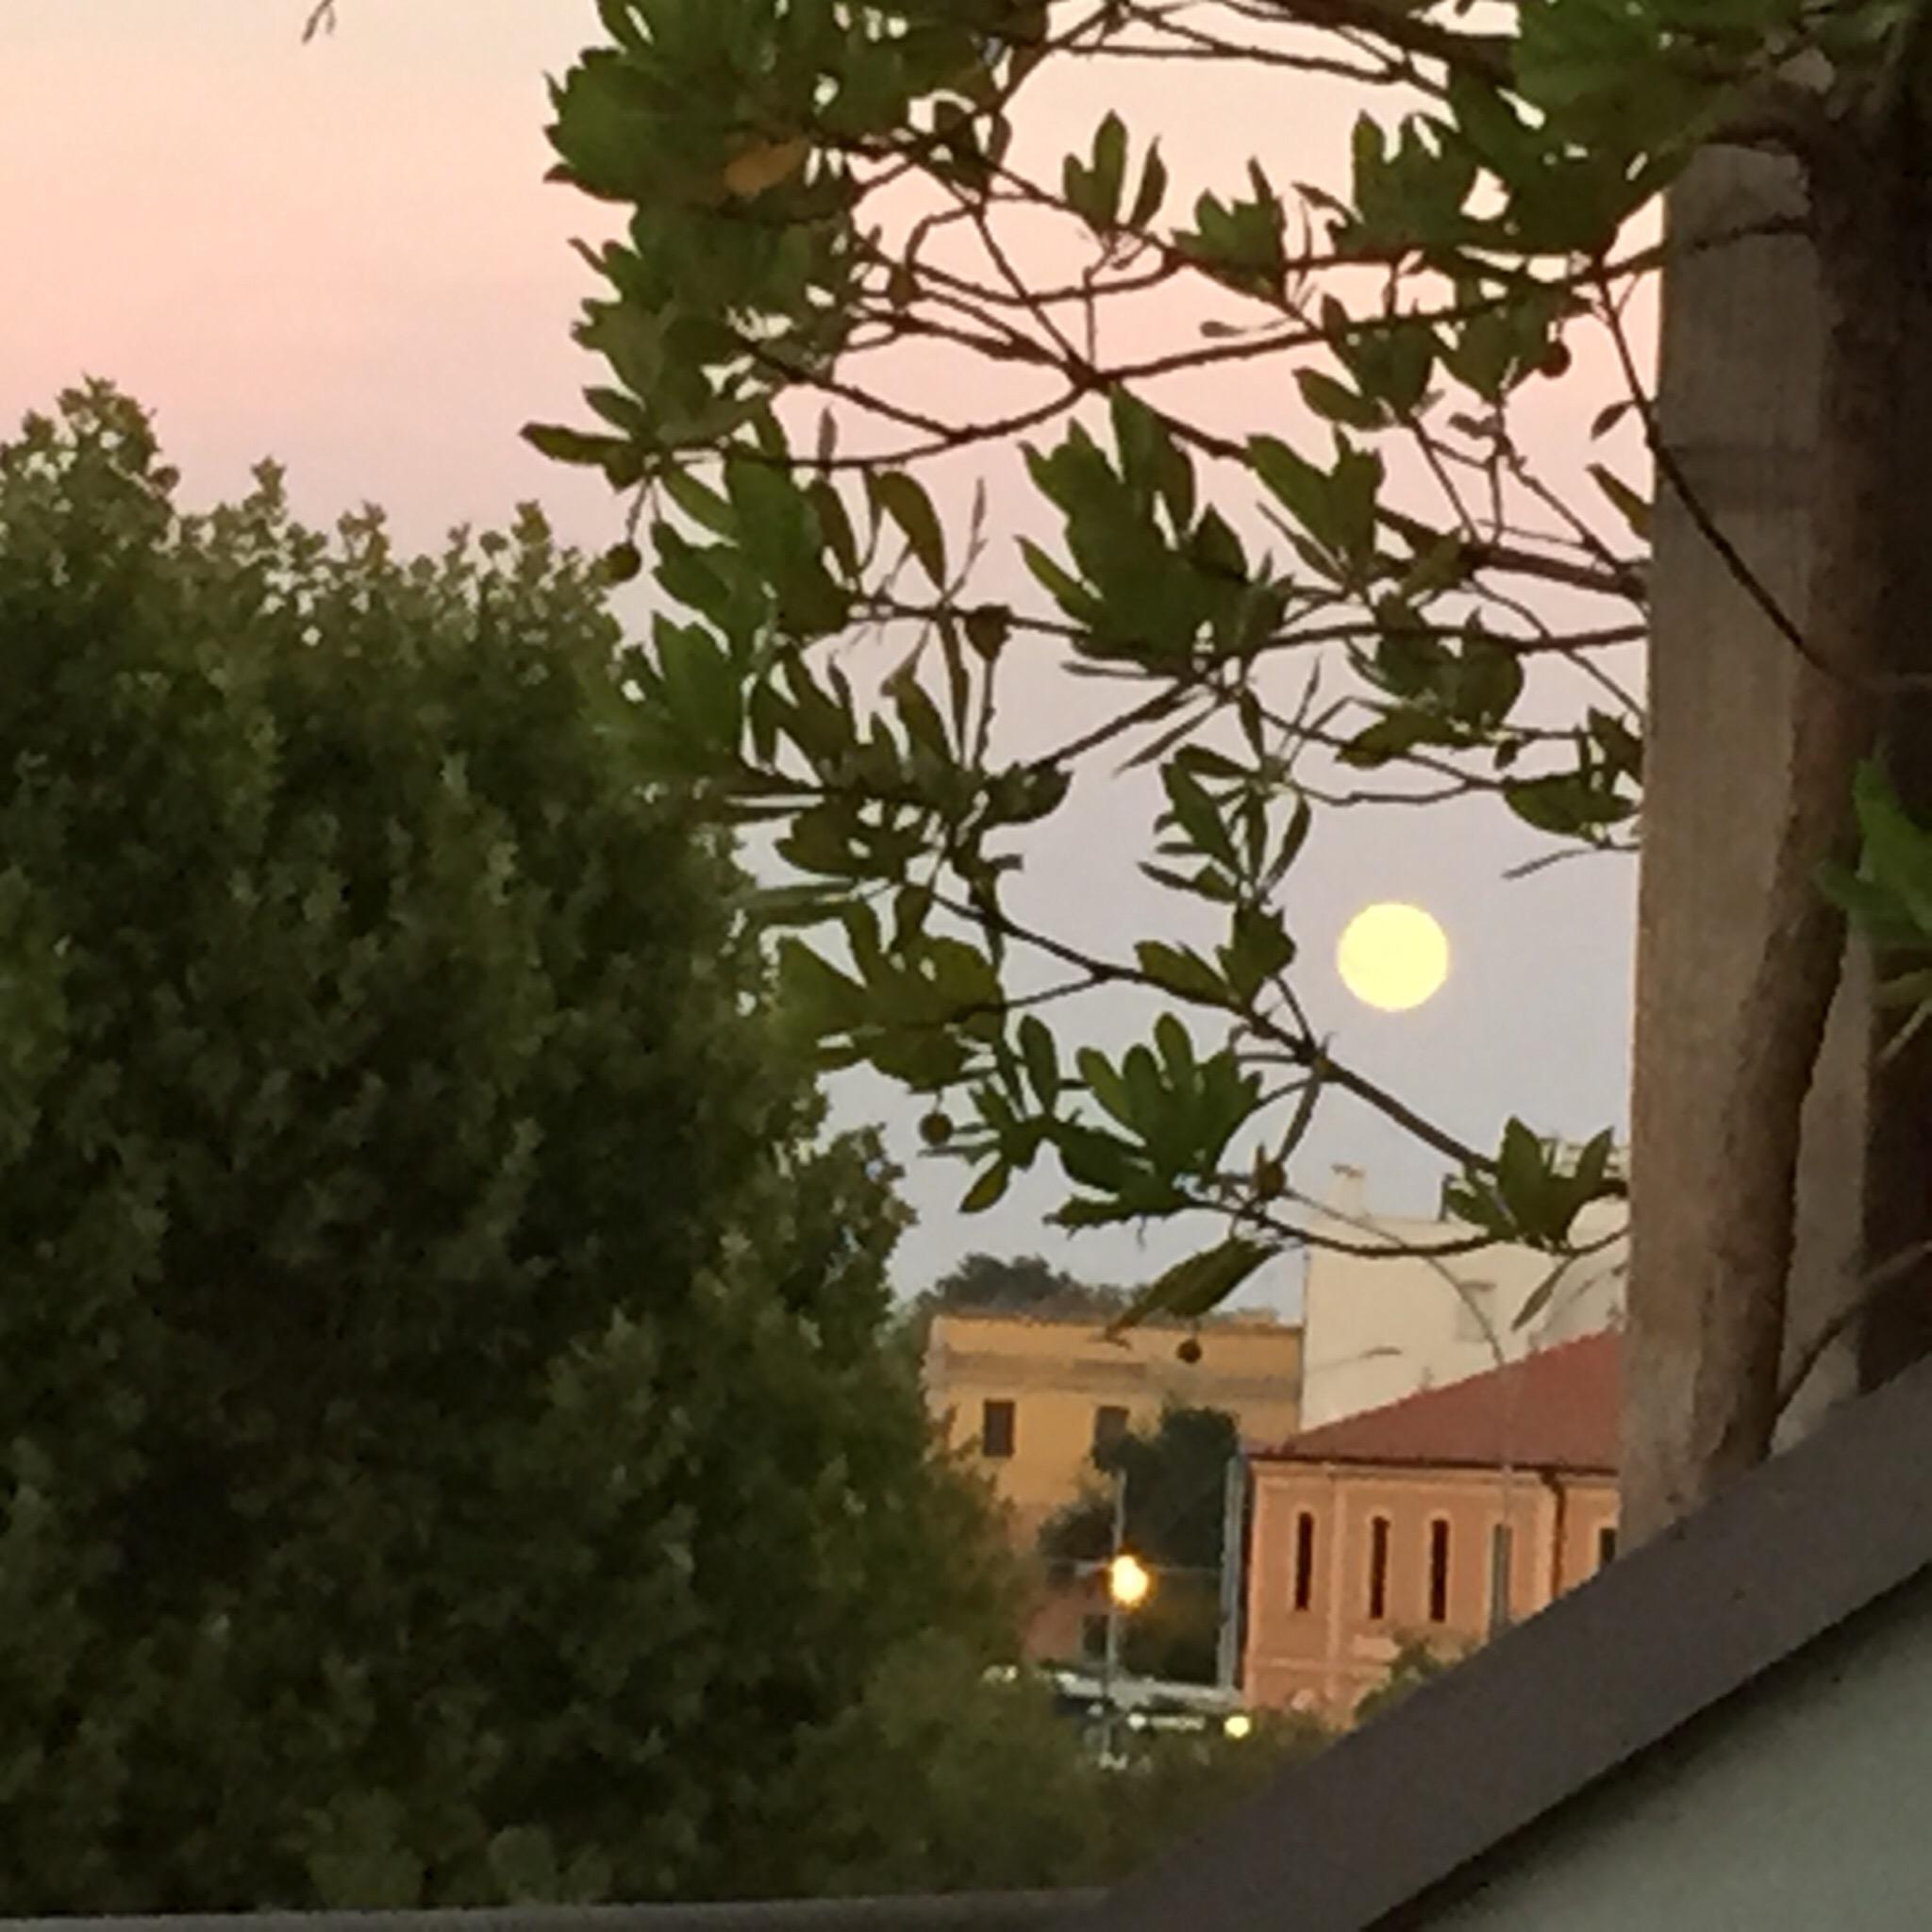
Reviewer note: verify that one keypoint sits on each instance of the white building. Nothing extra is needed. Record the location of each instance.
(1377, 1328)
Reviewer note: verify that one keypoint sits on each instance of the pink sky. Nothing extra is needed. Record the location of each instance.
(345, 256)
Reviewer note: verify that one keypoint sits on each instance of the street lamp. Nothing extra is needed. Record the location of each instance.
(1128, 1581)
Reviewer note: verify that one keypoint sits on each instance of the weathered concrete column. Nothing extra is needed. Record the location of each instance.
(1739, 406)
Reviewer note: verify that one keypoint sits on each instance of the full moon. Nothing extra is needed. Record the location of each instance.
(1392, 956)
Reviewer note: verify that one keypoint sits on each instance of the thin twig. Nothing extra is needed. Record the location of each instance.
(1887, 1279)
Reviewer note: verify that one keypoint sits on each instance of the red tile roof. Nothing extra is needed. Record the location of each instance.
(1557, 1409)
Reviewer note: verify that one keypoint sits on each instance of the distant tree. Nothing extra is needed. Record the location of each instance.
(1173, 1783)
(1023, 1285)
(1415, 1663)
(446, 1454)
(1175, 1474)
(940, 1780)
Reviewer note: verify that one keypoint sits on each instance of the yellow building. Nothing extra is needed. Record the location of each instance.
(1029, 1397)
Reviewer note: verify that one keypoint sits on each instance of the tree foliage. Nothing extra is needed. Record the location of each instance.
(1024, 1284)
(1021, 1285)
(1415, 1663)
(941, 1780)
(839, 190)
(1376, 590)
(419, 1265)
(1003, 1792)
(1173, 1783)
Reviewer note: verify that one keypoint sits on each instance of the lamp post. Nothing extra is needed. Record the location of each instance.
(1127, 1584)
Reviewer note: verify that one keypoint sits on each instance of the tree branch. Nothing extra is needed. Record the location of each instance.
(1300, 1051)
(1887, 1279)
(1486, 57)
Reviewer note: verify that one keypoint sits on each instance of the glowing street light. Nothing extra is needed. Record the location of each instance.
(1128, 1581)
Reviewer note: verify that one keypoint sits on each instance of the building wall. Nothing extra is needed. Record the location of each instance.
(1377, 1330)
(1795, 1806)
(1057, 1374)
(1323, 1658)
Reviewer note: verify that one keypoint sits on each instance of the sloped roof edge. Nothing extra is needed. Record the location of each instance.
(1783, 1557)
(1555, 1409)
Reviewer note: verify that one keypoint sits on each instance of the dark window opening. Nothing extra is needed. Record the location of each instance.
(1378, 1567)
(1439, 1571)
(999, 1428)
(1502, 1555)
(1304, 1560)
(1109, 1426)
(1606, 1544)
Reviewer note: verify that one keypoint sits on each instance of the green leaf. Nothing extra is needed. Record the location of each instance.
(1542, 1293)
(987, 1190)
(611, 454)
(1897, 852)
(824, 997)
(924, 727)
(1294, 836)
(1631, 505)
(1520, 1174)
(1354, 488)
(1096, 1159)
(987, 627)
(1390, 737)
(1110, 167)
(1260, 948)
(1908, 990)
(1067, 590)
(1566, 804)
(1181, 971)
(1041, 1060)
(1146, 1091)
(903, 498)
(1192, 1287)
(1608, 417)
(702, 685)
(1176, 1049)
(1105, 1084)
(1299, 485)
(703, 505)
(835, 525)
(1153, 190)
(1482, 354)
(1196, 813)
(1886, 923)
(1337, 401)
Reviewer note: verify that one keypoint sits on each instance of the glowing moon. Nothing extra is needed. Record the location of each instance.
(1392, 956)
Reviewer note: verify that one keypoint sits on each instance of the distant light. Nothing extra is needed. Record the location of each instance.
(1392, 956)
(1128, 1581)
(1240, 1724)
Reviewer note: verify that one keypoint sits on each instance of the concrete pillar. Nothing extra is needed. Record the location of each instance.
(1738, 402)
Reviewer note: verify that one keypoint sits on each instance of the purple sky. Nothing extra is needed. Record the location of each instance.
(346, 256)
